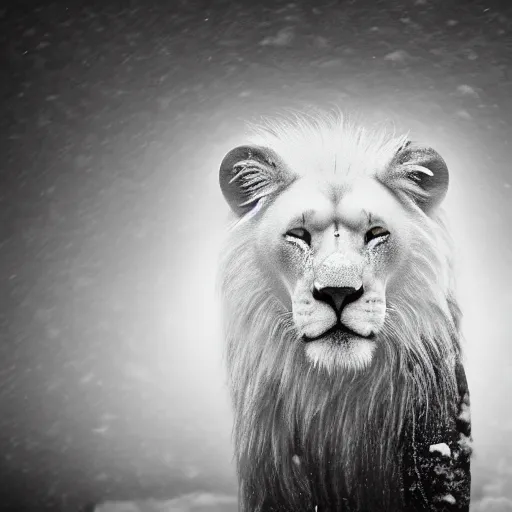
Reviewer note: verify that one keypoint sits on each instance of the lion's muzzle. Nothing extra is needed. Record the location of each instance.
(337, 296)
(339, 331)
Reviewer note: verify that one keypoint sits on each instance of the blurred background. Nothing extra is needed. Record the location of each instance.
(114, 117)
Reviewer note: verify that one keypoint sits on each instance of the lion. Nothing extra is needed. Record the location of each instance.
(342, 329)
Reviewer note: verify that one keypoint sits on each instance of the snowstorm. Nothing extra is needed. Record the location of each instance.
(115, 117)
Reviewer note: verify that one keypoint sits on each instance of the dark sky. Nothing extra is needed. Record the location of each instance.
(114, 117)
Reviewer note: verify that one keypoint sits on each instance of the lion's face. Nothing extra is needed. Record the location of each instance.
(332, 230)
(335, 251)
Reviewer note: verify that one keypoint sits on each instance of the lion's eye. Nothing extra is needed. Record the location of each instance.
(377, 233)
(300, 233)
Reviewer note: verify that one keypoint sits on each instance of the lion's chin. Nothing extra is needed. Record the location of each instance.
(341, 351)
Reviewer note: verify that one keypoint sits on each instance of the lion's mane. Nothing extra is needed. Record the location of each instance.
(345, 427)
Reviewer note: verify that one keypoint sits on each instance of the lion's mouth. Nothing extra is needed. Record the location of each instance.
(339, 333)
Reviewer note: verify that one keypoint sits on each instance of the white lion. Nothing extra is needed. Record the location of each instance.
(341, 324)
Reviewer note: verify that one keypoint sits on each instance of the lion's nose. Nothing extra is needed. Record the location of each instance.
(337, 297)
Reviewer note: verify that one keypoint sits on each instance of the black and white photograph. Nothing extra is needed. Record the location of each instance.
(255, 256)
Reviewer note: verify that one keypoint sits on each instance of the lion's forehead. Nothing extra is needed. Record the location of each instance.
(326, 201)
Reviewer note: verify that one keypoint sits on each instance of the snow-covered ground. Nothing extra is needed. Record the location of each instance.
(195, 502)
(115, 117)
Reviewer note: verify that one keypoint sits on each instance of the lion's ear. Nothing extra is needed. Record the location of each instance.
(248, 174)
(420, 172)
